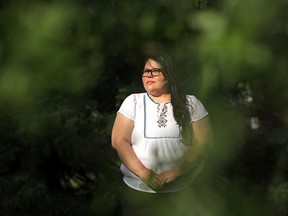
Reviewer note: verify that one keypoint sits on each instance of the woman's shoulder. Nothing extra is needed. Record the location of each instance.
(136, 96)
(141, 94)
(194, 102)
(191, 98)
(198, 109)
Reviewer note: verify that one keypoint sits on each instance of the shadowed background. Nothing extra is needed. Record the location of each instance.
(66, 66)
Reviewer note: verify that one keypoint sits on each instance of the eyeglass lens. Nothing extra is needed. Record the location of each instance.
(154, 72)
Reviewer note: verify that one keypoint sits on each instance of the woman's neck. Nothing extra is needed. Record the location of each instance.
(163, 98)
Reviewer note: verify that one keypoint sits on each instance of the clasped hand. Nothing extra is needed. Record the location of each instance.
(157, 181)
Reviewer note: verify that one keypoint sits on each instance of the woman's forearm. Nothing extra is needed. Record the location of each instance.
(190, 160)
(203, 137)
(131, 161)
(129, 158)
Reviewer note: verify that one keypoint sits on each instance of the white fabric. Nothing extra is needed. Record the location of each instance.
(159, 148)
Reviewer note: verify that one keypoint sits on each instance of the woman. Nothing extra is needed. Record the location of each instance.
(160, 137)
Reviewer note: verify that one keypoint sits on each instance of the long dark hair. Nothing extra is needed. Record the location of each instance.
(178, 98)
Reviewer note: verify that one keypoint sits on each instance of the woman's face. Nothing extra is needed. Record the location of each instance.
(154, 85)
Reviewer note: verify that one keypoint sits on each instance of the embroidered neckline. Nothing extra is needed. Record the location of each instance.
(162, 110)
(162, 114)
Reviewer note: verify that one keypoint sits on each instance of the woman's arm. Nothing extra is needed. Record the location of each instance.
(202, 133)
(121, 142)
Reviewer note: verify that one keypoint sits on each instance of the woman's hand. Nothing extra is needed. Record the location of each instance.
(152, 179)
(169, 175)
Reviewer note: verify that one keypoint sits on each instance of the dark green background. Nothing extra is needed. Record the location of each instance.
(66, 66)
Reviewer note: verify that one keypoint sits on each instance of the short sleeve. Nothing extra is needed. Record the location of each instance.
(127, 107)
(197, 109)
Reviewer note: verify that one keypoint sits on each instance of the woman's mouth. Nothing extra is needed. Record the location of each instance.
(149, 82)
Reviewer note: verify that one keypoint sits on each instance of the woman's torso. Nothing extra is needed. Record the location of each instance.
(156, 139)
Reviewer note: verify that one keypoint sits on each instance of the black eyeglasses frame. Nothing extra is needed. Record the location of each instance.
(154, 72)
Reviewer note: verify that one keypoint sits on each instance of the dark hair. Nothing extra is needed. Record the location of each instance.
(178, 98)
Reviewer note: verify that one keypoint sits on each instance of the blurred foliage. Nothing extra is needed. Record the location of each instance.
(66, 66)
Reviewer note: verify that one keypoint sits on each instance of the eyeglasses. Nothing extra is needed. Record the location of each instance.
(154, 72)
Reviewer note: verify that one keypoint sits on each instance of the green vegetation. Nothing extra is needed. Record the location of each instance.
(65, 67)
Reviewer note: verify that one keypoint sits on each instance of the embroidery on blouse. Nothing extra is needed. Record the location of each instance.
(162, 115)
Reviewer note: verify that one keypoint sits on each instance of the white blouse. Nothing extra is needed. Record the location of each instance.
(156, 138)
